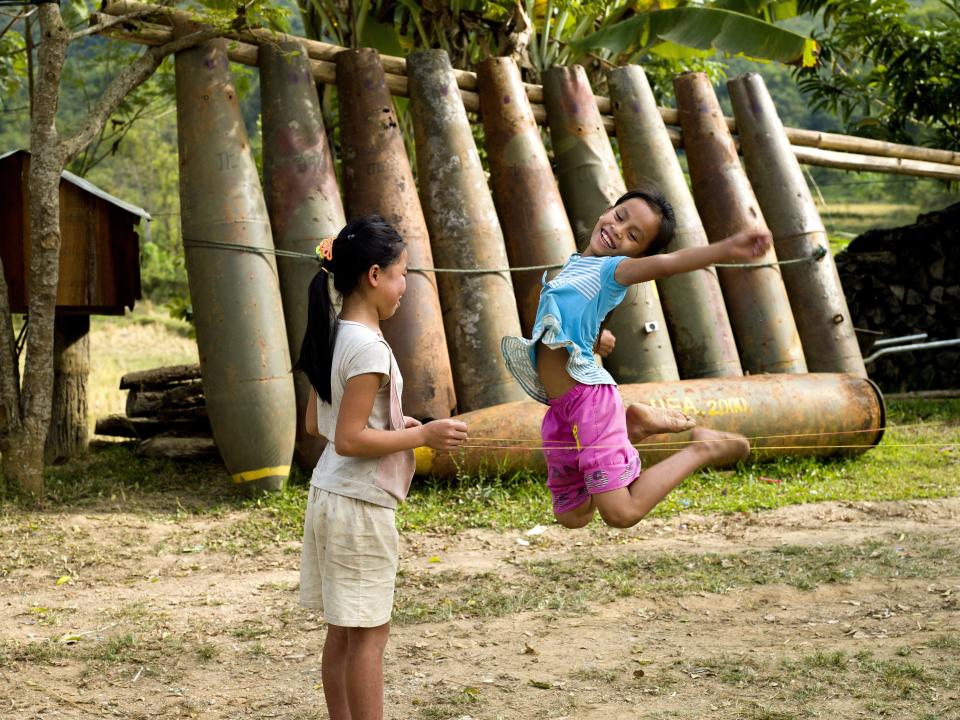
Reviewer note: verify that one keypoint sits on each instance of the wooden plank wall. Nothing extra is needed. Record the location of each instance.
(99, 252)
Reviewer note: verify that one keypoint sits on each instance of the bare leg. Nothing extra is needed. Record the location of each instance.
(627, 506)
(645, 420)
(365, 672)
(578, 517)
(333, 672)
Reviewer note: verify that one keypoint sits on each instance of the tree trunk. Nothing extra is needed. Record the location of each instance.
(23, 465)
(25, 411)
(69, 434)
(47, 161)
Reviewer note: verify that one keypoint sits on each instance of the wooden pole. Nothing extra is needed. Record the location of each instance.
(810, 147)
(69, 434)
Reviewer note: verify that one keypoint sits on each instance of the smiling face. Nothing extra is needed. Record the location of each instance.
(627, 229)
(388, 285)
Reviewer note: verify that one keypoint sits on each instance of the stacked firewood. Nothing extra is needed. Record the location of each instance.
(165, 413)
(905, 281)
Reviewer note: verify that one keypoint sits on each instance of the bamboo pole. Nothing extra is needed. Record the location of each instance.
(810, 147)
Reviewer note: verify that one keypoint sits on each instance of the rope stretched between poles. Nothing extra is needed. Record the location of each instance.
(819, 253)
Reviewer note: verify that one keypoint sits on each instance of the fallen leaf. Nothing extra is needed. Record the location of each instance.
(540, 684)
(63, 579)
(434, 559)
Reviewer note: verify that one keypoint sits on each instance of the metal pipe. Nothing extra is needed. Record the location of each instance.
(821, 414)
(377, 179)
(907, 348)
(478, 310)
(899, 340)
(302, 197)
(590, 183)
(535, 225)
(238, 313)
(692, 302)
(816, 296)
(756, 298)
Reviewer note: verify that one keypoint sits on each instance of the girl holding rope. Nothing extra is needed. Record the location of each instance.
(587, 435)
(350, 546)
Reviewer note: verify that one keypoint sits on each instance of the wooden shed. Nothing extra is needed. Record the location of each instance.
(99, 275)
(100, 248)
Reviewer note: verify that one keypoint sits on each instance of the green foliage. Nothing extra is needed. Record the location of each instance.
(887, 73)
(12, 64)
(679, 32)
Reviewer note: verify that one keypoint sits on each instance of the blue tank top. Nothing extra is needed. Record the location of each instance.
(571, 308)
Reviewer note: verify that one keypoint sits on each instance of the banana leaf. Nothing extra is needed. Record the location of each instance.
(704, 29)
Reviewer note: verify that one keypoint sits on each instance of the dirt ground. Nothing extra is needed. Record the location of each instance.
(106, 614)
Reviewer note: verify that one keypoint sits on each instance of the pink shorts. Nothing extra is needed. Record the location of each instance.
(585, 441)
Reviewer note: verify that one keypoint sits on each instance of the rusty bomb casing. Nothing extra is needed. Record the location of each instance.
(478, 309)
(703, 341)
(756, 299)
(819, 307)
(822, 414)
(244, 355)
(377, 179)
(534, 222)
(302, 198)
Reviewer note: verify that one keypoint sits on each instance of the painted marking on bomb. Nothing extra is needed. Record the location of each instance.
(714, 406)
(227, 161)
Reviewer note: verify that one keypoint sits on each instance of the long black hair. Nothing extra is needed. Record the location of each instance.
(654, 197)
(363, 243)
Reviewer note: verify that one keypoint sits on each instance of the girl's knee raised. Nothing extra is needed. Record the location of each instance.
(619, 517)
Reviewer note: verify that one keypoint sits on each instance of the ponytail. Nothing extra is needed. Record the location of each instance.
(316, 351)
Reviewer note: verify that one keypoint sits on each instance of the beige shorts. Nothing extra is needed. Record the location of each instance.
(349, 563)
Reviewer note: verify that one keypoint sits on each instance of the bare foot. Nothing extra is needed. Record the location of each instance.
(721, 448)
(645, 420)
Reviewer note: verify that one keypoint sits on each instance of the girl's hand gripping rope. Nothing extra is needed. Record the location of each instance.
(444, 434)
(747, 245)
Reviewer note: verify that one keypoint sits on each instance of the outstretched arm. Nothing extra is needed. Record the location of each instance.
(744, 246)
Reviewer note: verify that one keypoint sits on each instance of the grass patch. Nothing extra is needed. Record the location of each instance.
(945, 642)
(516, 500)
(455, 703)
(826, 683)
(903, 467)
(146, 338)
(913, 462)
(251, 630)
(569, 586)
(38, 652)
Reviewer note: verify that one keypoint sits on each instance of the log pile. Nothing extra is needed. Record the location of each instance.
(903, 281)
(166, 413)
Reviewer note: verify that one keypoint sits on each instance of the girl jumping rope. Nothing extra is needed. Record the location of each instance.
(350, 543)
(587, 436)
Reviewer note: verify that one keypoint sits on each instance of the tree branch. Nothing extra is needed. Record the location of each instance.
(129, 80)
(111, 21)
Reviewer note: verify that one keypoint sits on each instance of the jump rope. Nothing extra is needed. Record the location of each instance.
(490, 443)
